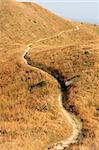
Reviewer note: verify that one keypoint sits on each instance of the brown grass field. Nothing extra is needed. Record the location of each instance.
(30, 116)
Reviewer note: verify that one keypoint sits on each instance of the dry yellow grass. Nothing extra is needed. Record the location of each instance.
(83, 97)
(29, 112)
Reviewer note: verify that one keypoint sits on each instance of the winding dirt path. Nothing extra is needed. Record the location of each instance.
(61, 32)
(76, 124)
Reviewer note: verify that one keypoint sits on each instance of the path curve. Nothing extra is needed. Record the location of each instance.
(76, 124)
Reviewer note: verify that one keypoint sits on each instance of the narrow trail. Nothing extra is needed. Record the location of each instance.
(60, 33)
(75, 123)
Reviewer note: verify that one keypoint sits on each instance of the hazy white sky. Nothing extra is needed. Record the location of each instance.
(78, 10)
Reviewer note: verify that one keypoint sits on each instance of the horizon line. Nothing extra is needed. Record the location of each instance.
(56, 1)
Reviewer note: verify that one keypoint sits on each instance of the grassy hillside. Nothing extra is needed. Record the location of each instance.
(83, 97)
(30, 115)
(21, 23)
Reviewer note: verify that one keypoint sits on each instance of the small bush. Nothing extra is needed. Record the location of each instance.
(86, 53)
(34, 21)
(3, 132)
(40, 84)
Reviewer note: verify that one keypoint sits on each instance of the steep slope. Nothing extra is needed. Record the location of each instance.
(21, 23)
(27, 116)
(30, 114)
(67, 63)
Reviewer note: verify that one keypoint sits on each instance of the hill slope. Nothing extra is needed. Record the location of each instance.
(21, 23)
(30, 115)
